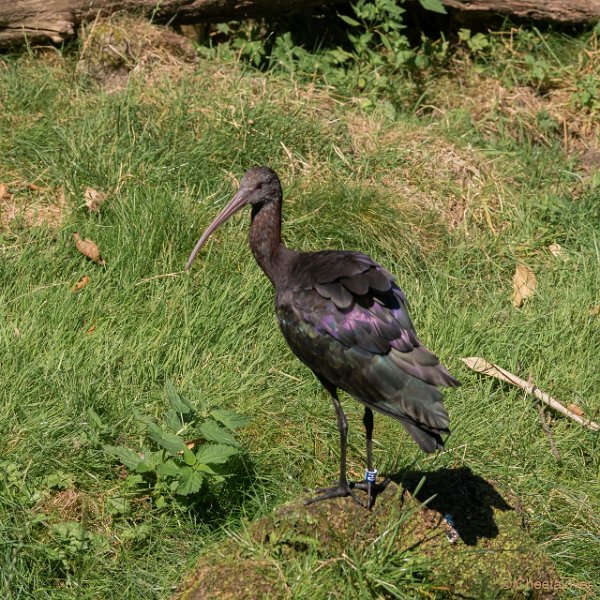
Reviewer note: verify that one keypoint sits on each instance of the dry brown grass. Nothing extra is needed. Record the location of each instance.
(75, 506)
(490, 102)
(419, 155)
(29, 205)
(120, 46)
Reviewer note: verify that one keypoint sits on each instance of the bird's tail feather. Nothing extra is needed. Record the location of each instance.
(429, 441)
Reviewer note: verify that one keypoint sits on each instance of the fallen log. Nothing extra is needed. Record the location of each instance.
(560, 11)
(42, 21)
(39, 21)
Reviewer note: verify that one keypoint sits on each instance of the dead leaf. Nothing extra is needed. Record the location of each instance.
(524, 284)
(557, 251)
(88, 248)
(81, 284)
(93, 199)
(4, 193)
(91, 328)
(576, 410)
(34, 187)
(595, 310)
(193, 443)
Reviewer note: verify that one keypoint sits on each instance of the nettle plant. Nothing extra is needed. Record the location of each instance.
(377, 50)
(184, 455)
(377, 41)
(370, 51)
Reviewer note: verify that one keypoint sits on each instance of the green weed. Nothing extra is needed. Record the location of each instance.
(179, 468)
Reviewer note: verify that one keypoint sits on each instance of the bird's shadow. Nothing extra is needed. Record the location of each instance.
(468, 499)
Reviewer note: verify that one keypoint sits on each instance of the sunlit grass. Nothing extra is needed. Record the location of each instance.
(167, 157)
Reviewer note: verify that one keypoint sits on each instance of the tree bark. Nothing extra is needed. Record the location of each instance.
(36, 21)
(40, 21)
(560, 11)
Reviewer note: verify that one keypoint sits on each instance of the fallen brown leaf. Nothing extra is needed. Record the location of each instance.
(192, 443)
(81, 284)
(576, 410)
(91, 328)
(93, 199)
(557, 251)
(4, 193)
(88, 248)
(524, 284)
(595, 310)
(34, 187)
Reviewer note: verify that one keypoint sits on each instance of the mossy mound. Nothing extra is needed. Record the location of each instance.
(113, 48)
(467, 541)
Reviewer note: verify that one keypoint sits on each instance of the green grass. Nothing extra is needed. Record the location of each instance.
(167, 155)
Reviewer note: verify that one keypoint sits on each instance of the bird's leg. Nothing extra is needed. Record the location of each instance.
(369, 484)
(368, 423)
(342, 488)
(370, 476)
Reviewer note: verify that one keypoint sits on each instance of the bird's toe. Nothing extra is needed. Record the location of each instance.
(372, 489)
(338, 491)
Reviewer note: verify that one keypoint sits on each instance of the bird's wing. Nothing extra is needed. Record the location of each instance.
(351, 298)
(345, 317)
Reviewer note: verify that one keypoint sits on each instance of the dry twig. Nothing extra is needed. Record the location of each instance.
(482, 366)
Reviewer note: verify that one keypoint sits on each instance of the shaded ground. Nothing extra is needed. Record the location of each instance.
(492, 556)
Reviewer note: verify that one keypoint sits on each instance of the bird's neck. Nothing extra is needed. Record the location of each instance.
(265, 239)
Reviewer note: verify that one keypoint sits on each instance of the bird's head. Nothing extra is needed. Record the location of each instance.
(258, 186)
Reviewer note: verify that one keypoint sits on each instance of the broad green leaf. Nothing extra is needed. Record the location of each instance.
(172, 420)
(189, 457)
(178, 402)
(349, 20)
(171, 442)
(145, 467)
(137, 533)
(118, 506)
(230, 418)
(205, 469)
(190, 481)
(133, 481)
(464, 35)
(422, 61)
(169, 469)
(59, 480)
(214, 433)
(433, 5)
(215, 453)
(128, 457)
(215, 472)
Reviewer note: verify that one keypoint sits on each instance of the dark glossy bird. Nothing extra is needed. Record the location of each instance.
(343, 316)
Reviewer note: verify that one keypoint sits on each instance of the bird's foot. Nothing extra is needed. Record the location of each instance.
(341, 490)
(372, 488)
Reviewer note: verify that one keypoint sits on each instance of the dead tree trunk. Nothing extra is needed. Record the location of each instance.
(561, 11)
(38, 21)
(57, 20)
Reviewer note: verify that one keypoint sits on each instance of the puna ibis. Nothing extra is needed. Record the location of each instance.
(344, 316)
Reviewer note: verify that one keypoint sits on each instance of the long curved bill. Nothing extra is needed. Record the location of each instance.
(236, 203)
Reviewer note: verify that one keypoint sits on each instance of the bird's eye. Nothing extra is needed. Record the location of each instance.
(259, 186)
